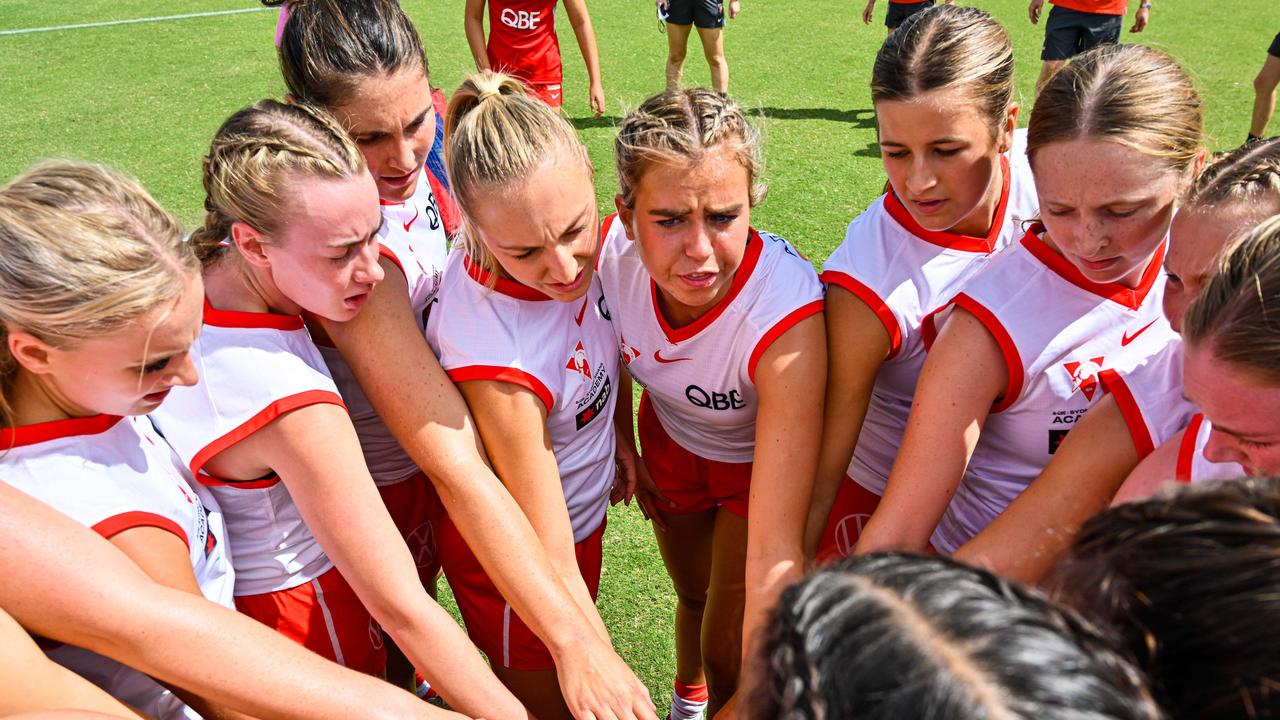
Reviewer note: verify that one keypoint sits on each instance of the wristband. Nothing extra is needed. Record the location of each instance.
(1144, 5)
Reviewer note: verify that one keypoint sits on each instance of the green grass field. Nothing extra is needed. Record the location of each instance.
(146, 98)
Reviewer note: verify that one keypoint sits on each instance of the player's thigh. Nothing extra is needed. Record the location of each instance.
(712, 42)
(686, 547)
(678, 39)
(1269, 75)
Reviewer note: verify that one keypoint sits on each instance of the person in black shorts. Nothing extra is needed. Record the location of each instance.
(708, 17)
(898, 11)
(1264, 91)
(1078, 25)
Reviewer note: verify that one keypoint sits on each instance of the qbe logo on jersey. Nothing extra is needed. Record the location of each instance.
(520, 19)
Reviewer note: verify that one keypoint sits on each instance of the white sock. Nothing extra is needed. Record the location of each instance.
(689, 702)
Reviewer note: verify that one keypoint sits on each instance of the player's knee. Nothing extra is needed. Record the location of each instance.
(691, 601)
(715, 56)
(675, 56)
(1264, 82)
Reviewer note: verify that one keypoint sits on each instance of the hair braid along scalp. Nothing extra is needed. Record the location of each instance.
(329, 46)
(1127, 94)
(253, 159)
(1238, 312)
(84, 250)
(948, 47)
(496, 136)
(680, 127)
(1251, 173)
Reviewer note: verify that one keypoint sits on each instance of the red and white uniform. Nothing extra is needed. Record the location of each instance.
(254, 368)
(522, 43)
(903, 272)
(700, 379)
(413, 236)
(1150, 398)
(1192, 466)
(114, 474)
(490, 328)
(1057, 330)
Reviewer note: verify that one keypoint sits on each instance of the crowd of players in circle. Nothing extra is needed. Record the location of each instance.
(405, 337)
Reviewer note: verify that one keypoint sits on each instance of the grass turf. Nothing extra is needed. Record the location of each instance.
(146, 98)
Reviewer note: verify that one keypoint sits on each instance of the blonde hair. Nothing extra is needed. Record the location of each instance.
(1248, 173)
(943, 48)
(496, 136)
(1127, 94)
(1238, 312)
(329, 46)
(682, 126)
(84, 250)
(252, 159)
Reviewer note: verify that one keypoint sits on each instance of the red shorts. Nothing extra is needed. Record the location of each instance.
(324, 616)
(493, 625)
(417, 511)
(690, 482)
(850, 513)
(550, 92)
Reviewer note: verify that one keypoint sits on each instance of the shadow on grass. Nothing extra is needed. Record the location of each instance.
(592, 123)
(864, 118)
(872, 150)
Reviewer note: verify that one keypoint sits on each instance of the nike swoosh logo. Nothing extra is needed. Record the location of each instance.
(555, 96)
(661, 359)
(411, 220)
(1127, 338)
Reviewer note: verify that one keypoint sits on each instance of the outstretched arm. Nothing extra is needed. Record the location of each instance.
(68, 584)
(964, 374)
(855, 328)
(1024, 542)
(1156, 472)
(429, 419)
(580, 20)
(317, 455)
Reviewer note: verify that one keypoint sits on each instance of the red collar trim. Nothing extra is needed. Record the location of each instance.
(1129, 297)
(506, 286)
(954, 241)
(749, 261)
(239, 319)
(44, 432)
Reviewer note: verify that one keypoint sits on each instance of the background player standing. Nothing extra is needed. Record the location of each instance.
(708, 15)
(899, 11)
(522, 43)
(1078, 25)
(1264, 91)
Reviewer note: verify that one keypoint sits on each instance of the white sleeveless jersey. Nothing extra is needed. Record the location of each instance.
(564, 353)
(903, 272)
(1192, 466)
(114, 474)
(254, 367)
(413, 237)
(1057, 330)
(1150, 398)
(701, 377)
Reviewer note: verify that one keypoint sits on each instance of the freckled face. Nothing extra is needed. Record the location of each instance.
(1243, 407)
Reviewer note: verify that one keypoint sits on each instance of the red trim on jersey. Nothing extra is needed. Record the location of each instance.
(749, 261)
(950, 240)
(871, 300)
(506, 286)
(791, 320)
(1113, 383)
(929, 326)
(1012, 360)
(497, 373)
(1129, 297)
(605, 226)
(117, 524)
(1187, 449)
(390, 254)
(24, 435)
(263, 418)
(240, 319)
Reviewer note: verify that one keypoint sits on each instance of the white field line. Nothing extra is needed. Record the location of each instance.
(132, 21)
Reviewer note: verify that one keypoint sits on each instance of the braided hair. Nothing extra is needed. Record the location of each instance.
(903, 636)
(680, 126)
(1192, 579)
(1250, 173)
(251, 160)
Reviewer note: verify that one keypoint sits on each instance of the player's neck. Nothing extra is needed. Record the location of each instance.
(237, 286)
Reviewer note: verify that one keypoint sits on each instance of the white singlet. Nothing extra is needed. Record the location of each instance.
(701, 377)
(903, 272)
(1149, 395)
(1192, 466)
(413, 237)
(114, 474)
(1056, 330)
(254, 367)
(564, 353)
